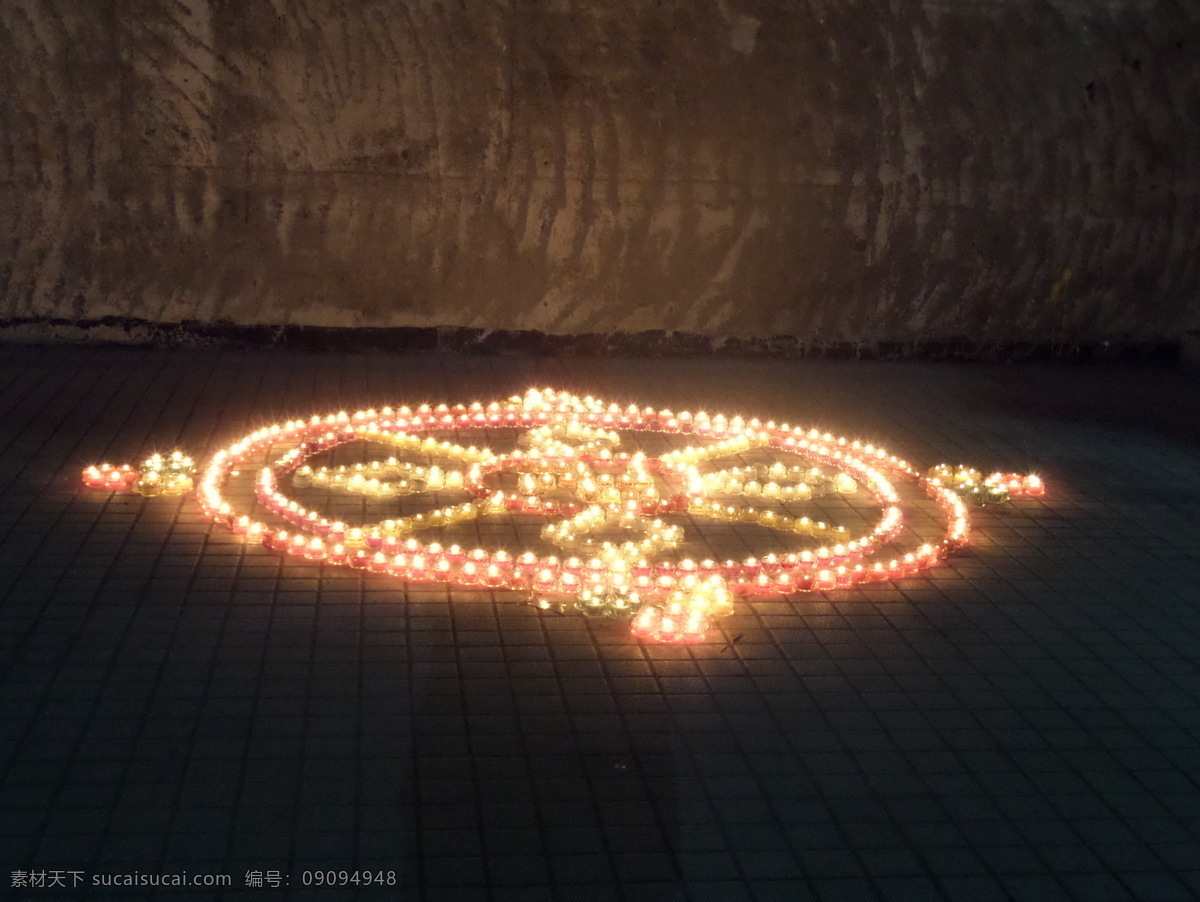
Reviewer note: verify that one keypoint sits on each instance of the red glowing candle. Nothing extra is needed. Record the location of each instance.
(668, 627)
(398, 565)
(646, 622)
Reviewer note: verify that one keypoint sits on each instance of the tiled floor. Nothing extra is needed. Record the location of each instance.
(1021, 723)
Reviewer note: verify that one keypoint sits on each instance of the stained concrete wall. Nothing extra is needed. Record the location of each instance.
(830, 169)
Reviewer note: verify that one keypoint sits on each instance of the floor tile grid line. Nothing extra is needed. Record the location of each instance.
(13, 404)
(308, 733)
(135, 409)
(62, 384)
(578, 752)
(646, 778)
(74, 754)
(646, 651)
(1157, 651)
(732, 643)
(30, 631)
(1148, 662)
(160, 680)
(240, 790)
(476, 797)
(730, 726)
(561, 889)
(876, 887)
(179, 806)
(414, 787)
(542, 826)
(963, 765)
(1014, 766)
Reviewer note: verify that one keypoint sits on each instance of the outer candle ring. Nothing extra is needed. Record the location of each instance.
(316, 435)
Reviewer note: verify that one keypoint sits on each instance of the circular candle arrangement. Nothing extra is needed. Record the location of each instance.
(612, 510)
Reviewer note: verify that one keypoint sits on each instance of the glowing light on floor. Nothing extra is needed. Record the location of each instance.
(570, 467)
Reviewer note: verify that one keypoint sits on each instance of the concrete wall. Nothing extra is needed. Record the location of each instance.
(830, 169)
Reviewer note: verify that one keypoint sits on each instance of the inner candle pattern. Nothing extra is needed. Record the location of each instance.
(569, 467)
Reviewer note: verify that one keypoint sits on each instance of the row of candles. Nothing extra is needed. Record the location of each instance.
(158, 474)
(379, 479)
(968, 482)
(778, 482)
(569, 448)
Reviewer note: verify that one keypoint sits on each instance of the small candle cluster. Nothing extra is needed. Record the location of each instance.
(609, 601)
(107, 476)
(611, 509)
(156, 475)
(686, 612)
(971, 484)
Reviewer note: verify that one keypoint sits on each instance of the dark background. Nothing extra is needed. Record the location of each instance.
(851, 171)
